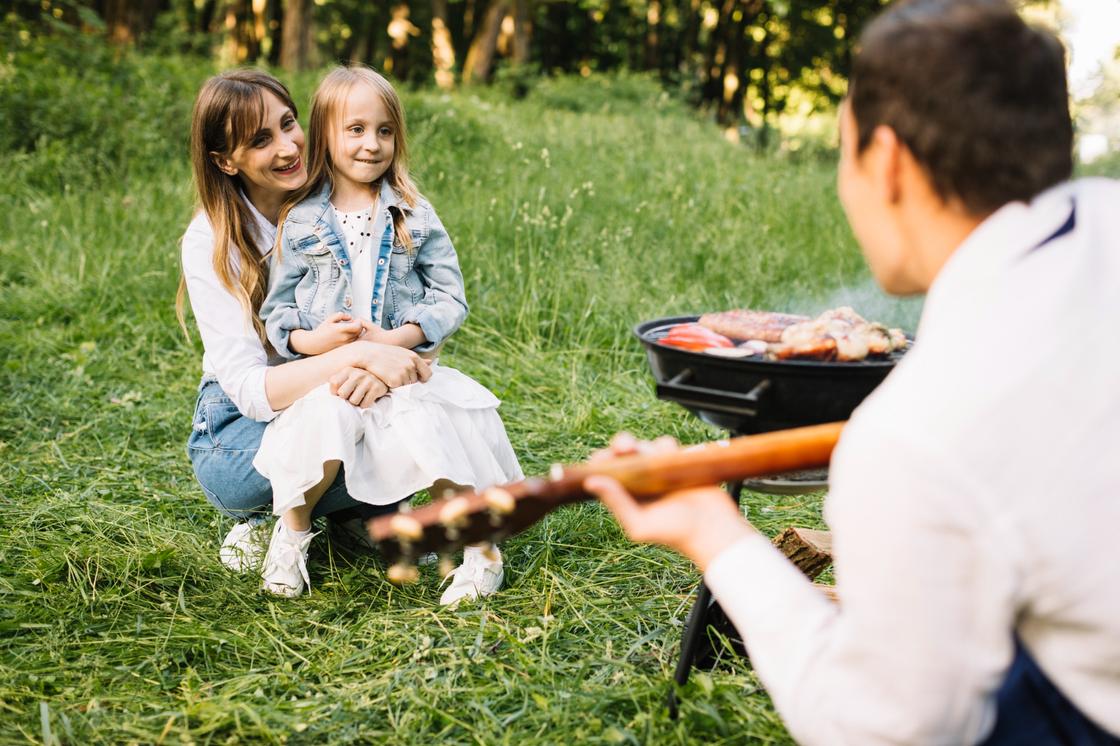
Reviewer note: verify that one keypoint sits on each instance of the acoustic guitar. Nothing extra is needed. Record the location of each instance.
(494, 513)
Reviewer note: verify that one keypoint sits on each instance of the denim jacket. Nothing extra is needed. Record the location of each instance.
(312, 278)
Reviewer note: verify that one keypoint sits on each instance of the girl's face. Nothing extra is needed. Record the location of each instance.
(362, 139)
(271, 162)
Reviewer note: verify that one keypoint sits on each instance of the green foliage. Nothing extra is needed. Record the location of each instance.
(119, 624)
(618, 92)
(1107, 166)
(78, 113)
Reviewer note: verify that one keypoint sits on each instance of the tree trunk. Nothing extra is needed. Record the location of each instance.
(443, 52)
(259, 30)
(712, 87)
(653, 27)
(480, 56)
(125, 21)
(522, 31)
(275, 31)
(235, 27)
(468, 19)
(117, 26)
(731, 76)
(690, 36)
(204, 19)
(401, 30)
(297, 36)
(366, 48)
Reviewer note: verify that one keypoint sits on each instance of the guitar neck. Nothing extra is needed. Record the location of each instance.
(468, 518)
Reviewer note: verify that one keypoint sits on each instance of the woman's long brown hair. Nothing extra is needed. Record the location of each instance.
(229, 110)
(326, 107)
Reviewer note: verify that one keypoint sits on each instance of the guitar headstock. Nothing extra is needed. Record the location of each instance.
(455, 521)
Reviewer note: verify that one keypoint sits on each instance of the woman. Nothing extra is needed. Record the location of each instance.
(246, 153)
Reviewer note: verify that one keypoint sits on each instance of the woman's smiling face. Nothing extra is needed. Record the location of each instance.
(271, 162)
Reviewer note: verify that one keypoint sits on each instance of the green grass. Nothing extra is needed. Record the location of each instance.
(575, 217)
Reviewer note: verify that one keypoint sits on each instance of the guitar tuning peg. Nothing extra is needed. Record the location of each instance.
(405, 507)
(448, 494)
(403, 573)
(488, 551)
(445, 565)
(499, 504)
(454, 513)
(453, 516)
(406, 528)
(498, 500)
(556, 472)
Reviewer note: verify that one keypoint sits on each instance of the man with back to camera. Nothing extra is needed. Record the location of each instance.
(974, 499)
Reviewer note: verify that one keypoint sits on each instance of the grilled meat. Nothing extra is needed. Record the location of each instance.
(743, 324)
(837, 334)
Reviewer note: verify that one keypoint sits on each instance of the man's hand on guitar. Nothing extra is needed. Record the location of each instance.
(699, 523)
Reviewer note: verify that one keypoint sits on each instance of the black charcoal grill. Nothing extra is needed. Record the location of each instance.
(746, 396)
(752, 395)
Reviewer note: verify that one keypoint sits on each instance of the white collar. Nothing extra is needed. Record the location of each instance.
(265, 227)
(1003, 237)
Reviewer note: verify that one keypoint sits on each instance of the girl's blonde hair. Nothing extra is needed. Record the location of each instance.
(326, 106)
(229, 111)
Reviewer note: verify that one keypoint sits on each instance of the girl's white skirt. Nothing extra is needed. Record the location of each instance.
(446, 428)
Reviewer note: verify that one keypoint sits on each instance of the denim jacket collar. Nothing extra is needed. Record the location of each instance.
(315, 207)
(389, 198)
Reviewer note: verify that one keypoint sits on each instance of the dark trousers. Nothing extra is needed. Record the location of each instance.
(1031, 710)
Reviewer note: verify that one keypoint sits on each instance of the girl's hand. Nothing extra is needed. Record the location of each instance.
(406, 335)
(373, 333)
(698, 523)
(357, 386)
(337, 330)
(395, 366)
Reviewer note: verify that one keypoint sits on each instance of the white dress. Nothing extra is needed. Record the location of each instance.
(445, 428)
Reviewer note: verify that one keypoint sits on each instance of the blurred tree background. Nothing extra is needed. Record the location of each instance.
(755, 67)
(745, 61)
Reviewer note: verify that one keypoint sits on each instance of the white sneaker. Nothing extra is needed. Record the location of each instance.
(243, 547)
(285, 565)
(479, 575)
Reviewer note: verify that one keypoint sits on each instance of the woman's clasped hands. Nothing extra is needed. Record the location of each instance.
(376, 369)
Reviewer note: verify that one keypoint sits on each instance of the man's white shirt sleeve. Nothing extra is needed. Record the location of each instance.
(914, 657)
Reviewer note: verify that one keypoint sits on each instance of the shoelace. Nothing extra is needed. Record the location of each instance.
(288, 554)
(473, 569)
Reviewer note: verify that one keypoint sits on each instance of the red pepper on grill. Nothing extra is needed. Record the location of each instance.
(694, 337)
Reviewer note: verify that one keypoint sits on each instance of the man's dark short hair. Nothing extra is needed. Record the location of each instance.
(977, 96)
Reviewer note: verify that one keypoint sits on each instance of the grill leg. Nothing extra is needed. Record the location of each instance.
(695, 628)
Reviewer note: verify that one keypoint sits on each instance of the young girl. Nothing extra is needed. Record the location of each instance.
(362, 254)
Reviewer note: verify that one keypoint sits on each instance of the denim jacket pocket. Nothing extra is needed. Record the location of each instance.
(317, 287)
(400, 262)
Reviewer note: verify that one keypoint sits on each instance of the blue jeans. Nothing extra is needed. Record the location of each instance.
(222, 445)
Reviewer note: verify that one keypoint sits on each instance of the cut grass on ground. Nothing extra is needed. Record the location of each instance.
(120, 625)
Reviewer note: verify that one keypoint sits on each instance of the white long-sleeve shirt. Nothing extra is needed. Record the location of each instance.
(974, 494)
(233, 352)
